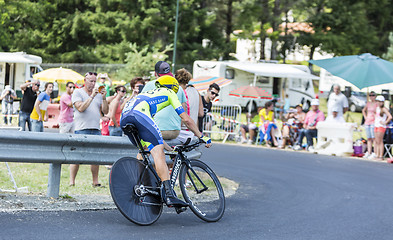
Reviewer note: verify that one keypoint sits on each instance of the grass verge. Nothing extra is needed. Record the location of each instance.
(34, 176)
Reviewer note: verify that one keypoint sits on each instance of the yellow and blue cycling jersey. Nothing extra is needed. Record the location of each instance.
(141, 109)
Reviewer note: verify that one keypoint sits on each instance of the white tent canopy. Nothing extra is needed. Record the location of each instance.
(19, 57)
(272, 70)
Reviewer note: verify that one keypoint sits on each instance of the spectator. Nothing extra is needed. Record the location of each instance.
(88, 103)
(167, 119)
(7, 101)
(206, 122)
(137, 84)
(249, 128)
(285, 107)
(287, 129)
(103, 77)
(30, 90)
(196, 105)
(66, 116)
(266, 116)
(369, 119)
(382, 118)
(32, 71)
(335, 118)
(310, 126)
(337, 100)
(39, 113)
(115, 111)
(300, 115)
(194, 102)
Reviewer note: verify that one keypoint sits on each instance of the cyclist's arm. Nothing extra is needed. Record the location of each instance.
(190, 124)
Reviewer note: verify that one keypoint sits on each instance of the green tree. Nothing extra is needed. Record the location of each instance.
(141, 63)
(4, 31)
(389, 53)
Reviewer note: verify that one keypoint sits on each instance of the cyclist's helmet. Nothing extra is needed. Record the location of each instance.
(168, 82)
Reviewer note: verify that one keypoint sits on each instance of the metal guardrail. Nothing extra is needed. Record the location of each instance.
(58, 149)
(223, 121)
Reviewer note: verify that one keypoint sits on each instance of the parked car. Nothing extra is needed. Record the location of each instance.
(357, 101)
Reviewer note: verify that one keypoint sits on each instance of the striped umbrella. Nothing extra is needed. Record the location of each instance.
(203, 83)
(250, 92)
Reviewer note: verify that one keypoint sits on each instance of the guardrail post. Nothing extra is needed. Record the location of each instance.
(54, 180)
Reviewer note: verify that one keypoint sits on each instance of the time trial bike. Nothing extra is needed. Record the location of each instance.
(135, 185)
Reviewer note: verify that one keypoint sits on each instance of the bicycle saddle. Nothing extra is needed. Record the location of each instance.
(130, 128)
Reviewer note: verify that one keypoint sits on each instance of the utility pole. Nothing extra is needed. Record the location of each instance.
(175, 40)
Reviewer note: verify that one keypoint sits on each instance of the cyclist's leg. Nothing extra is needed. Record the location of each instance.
(152, 139)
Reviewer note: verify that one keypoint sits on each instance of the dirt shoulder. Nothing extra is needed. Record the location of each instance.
(16, 202)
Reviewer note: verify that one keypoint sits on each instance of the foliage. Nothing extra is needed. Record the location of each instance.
(389, 54)
(101, 31)
(140, 63)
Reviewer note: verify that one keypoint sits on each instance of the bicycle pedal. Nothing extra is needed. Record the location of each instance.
(180, 210)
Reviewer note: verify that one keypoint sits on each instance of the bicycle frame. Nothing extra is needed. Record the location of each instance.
(180, 158)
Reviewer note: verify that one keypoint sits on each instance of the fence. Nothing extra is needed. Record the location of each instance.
(223, 122)
(58, 149)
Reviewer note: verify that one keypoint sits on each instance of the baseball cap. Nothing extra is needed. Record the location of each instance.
(163, 68)
(315, 102)
(380, 98)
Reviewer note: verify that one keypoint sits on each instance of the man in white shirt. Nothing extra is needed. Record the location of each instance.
(337, 100)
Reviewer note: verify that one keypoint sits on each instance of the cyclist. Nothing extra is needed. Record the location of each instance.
(140, 111)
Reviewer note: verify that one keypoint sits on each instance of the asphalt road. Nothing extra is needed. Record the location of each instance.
(282, 195)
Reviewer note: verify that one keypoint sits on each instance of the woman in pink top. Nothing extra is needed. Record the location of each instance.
(66, 116)
(115, 111)
(382, 118)
(369, 116)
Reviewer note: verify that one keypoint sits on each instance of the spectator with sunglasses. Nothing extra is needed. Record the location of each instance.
(66, 116)
(88, 102)
(30, 92)
(115, 111)
(207, 101)
(369, 118)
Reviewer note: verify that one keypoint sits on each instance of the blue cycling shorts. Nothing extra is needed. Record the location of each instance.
(148, 130)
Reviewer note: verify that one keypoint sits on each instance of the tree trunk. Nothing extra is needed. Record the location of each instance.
(311, 57)
(275, 26)
(264, 18)
(228, 29)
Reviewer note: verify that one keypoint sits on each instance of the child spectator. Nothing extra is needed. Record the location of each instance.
(382, 118)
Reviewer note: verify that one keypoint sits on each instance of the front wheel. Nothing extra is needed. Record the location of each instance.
(131, 184)
(202, 190)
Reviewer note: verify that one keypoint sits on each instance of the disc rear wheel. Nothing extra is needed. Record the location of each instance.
(130, 182)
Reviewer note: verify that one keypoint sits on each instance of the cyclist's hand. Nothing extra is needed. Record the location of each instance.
(207, 141)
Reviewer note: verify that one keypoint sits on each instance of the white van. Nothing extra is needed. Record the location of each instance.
(16, 68)
(276, 79)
